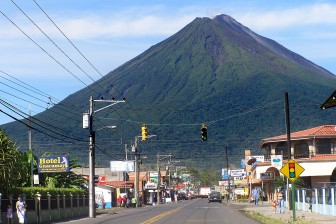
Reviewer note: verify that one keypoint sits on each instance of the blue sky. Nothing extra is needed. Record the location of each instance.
(111, 32)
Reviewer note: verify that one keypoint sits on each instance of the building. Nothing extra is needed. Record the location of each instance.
(314, 149)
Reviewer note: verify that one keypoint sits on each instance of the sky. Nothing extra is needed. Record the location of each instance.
(37, 55)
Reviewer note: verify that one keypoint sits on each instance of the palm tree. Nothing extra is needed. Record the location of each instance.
(10, 167)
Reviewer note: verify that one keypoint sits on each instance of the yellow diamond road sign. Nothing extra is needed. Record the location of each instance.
(292, 170)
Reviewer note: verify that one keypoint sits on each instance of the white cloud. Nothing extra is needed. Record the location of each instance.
(289, 18)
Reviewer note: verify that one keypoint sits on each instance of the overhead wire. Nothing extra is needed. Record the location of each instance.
(53, 42)
(33, 128)
(20, 113)
(59, 63)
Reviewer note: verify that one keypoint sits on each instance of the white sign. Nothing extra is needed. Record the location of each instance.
(151, 186)
(36, 179)
(258, 158)
(237, 173)
(122, 166)
(86, 118)
(153, 174)
(276, 161)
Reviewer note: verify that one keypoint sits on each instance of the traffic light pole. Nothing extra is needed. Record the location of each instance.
(291, 200)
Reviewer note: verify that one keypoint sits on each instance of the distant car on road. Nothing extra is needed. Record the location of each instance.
(215, 196)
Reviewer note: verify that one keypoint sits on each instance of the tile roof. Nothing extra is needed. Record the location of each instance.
(320, 131)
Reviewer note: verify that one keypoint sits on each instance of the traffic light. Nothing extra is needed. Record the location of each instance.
(291, 167)
(204, 132)
(144, 133)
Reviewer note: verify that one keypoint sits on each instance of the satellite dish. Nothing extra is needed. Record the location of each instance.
(251, 161)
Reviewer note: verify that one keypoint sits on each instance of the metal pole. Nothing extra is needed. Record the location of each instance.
(288, 141)
(31, 150)
(293, 201)
(92, 204)
(227, 168)
(0, 208)
(159, 177)
(136, 187)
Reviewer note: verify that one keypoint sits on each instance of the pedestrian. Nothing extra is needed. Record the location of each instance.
(9, 214)
(281, 201)
(21, 209)
(103, 203)
(119, 201)
(134, 201)
(274, 205)
(124, 201)
(255, 193)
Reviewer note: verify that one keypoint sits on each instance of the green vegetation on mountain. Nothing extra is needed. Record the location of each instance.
(213, 71)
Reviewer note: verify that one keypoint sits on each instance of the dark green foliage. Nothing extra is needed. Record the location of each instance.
(31, 191)
(213, 71)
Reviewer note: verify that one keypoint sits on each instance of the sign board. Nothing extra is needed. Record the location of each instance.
(237, 173)
(122, 166)
(276, 161)
(225, 175)
(258, 158)
(151, 186)
(292, 170)
(53, 164)
(267, 176)
(36, 179)
(86, 120)
(153, 179)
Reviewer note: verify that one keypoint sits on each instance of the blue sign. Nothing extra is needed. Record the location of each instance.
(225, 175)
(53, 164)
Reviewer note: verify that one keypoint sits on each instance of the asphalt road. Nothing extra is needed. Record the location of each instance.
(194, 211)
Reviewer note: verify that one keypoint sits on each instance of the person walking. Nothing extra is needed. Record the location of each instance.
(9, 214)
(134, 201)
(119, 201)
(255, 193)
(274, 205)
(21, 209)
(281, 201)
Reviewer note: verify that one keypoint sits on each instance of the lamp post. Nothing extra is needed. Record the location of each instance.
(88, 123)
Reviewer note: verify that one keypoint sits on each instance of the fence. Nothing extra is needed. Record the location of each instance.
(48, 209)
(322, 200)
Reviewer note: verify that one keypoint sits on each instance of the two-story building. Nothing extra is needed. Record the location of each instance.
(314, 149)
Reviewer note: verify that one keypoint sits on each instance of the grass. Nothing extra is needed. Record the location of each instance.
(269, 220)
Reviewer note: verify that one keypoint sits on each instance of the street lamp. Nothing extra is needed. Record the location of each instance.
(88, 123)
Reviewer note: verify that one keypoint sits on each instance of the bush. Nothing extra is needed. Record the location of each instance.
(31, 191)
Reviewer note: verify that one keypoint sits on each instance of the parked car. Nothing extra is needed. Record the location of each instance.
(215, 196)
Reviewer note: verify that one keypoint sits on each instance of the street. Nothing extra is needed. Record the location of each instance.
(192, 211)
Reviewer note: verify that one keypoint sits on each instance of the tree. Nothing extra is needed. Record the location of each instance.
(10, 167)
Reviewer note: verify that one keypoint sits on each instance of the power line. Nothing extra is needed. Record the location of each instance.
(47, 52)
(55, 43)
(15, 110)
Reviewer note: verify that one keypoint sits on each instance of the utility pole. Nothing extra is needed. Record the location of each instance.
(92, 155)
(227, 168)
(159, 174)
(137, 166)
(92, 196)
(31, 150)
(159, 180)
(136, 170)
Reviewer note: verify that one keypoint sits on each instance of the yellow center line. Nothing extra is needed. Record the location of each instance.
(156, 218)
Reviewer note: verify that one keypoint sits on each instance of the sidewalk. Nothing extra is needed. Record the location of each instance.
(267, 210)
